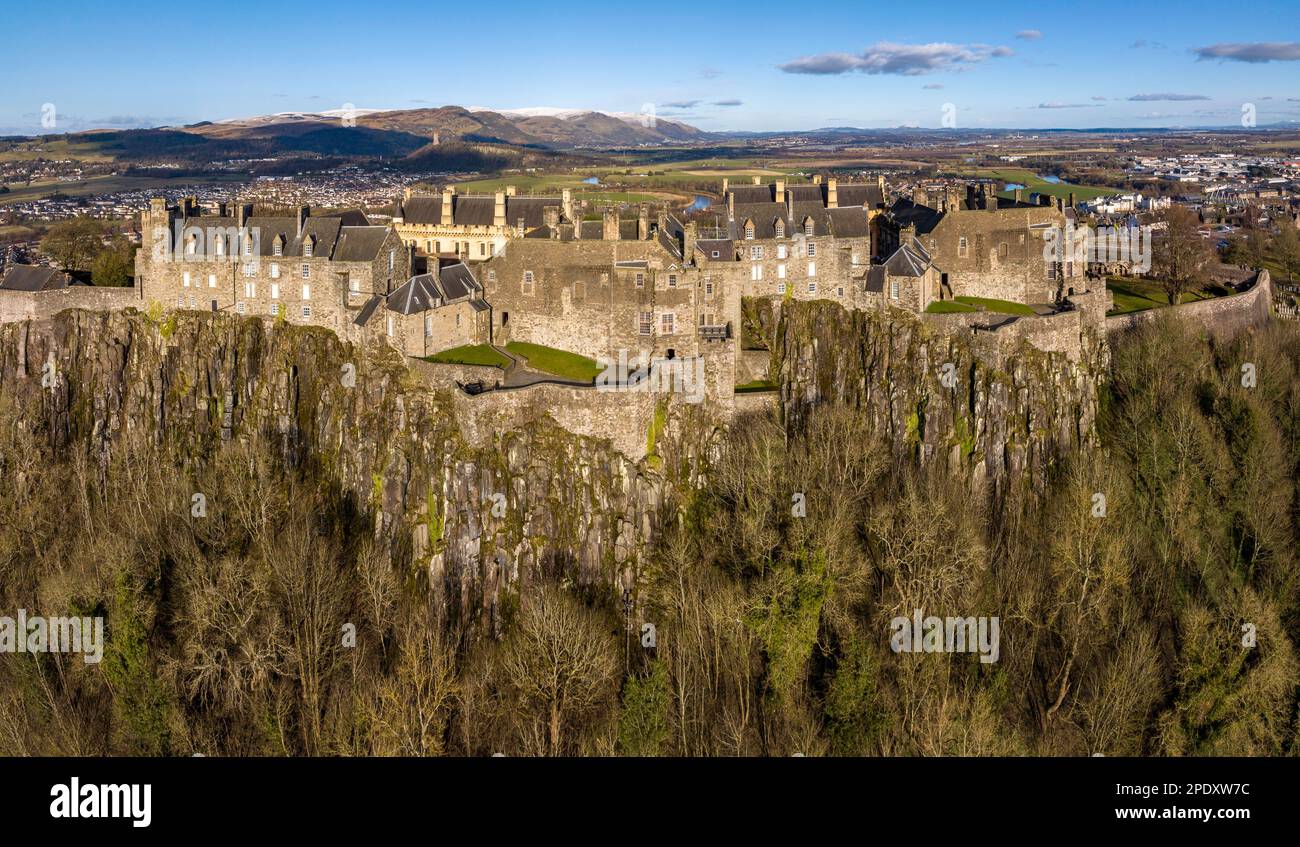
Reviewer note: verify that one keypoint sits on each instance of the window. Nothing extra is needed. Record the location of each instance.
(666, 323)
(812, 288)
(428, 327)
(458, 319)
(893, 289)
(645, 323)
(492, 277)
(714, 254)
(275, 271)
(528, 282)
(1002, 250)
(780, 251)
(277, 249)
(192, 245)
(780, 271)
(275, 291)
(306, 292)
(812, 249)
(220, 245)
(248, 246)
(812, 269)
(354, 286)
(306, 271)
(185, 279)
(756, 252)
(392, 260)
(1022, 238)
(275, 309)
(961, 247)
(212, 280)
(191, 302)
(756, 272)
(839, 291)
(307, 246)
(780, 228)
(640, 280)
(437, 246)
(250, 269)
(749, 232)
(482, 248)
(250, 289)
(672, 280)
(808, 227)
(180, 302)
(239, 307)
(708, 288)
(780, 288)
(390, 326)
(306, 311)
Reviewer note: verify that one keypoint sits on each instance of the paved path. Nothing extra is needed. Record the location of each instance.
(518, 374)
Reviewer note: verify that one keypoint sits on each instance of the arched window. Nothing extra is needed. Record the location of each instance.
(779, 227)
(808, 226)
(277, 248)
(749, 230)
(308, 244)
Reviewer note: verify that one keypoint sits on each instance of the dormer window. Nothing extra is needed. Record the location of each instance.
(749, 230)
(307, 245)
(808, 228)
(277, 248)
(779, 226)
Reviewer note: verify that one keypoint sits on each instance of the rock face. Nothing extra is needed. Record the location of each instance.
(484, 516)
(986, 402)
(481, 520)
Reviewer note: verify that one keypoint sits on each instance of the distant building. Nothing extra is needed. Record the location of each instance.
(473, 227)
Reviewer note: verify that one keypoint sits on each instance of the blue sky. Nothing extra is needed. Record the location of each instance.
(756, 66)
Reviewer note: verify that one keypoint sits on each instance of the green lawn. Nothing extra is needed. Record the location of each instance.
(1138, 295)
(755, 386)
(470, 354)
(978, 304)
(1033, 184)
(559, 362)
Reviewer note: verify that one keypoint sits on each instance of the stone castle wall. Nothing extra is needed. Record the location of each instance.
(1223, 317)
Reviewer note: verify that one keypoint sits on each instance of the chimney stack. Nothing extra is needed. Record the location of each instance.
(499, 209)
(731, 207)
(406, 193)
(880, 183)
(550, 216)
(448, 206)
(221, 209)
(245, 211)
(692, 233)
(780, 191)
(566, 203)
(725, 183)
(817, 179)
(609, 228)
(643, 223)
(832, 196)
(511, 191)
(303, 213)
(1018, 195)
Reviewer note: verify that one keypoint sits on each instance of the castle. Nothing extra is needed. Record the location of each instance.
(455, 270)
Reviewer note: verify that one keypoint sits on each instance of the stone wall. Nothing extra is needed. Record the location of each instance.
(1223, 317)
(24, 305)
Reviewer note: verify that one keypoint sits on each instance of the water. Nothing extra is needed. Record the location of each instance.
(1049, 178)
(701, 203)
(1012, 186)
(591, 180)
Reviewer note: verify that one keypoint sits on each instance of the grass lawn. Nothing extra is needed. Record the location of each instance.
(470, 354)
(1137, 295)
(559, 362)
(1033, 184)
(948, 307)
(755, 386)
(1005, 307)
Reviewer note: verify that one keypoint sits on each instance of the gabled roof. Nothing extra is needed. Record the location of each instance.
(360, 243)
(908, 260)
(431, 290)
(478, 210)
(724, 247)
(33, 278)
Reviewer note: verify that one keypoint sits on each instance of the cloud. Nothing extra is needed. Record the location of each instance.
(1029, 34)
(1256, 52)
(903, 59)
(1096, 97)
(1056, 105)
(680, 104)
(1142, 42)
(728, 103)
(710, 73)
(933, 86)
(1147, 98)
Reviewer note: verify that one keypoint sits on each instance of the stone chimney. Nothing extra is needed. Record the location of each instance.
(919, 197)
(511, 191)
(692, 233)
(566, 203)
(499, 209)
(1019, 195)
(643, 223)
(550, 216)
(662, 219)
(880, 183)
(222, 208)
(832, 196)
(609, 225)
(406, 193)
(725, 184)
(817, 179)
(303, 213)
(448, 206)
(780, 191)
(757, 181)
(244, 212)
(731, 207)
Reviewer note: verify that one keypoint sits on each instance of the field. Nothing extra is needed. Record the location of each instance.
(1138, 295)
(470, 354)
(976, 304)
(1035, 184)
(109, 184)
(559, 362)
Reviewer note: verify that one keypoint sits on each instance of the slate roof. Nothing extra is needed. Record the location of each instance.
(360, 243)
(33, 278)
(477, 210)
(336, 237)
(724, 247)
(923, 217)
(431, 290)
